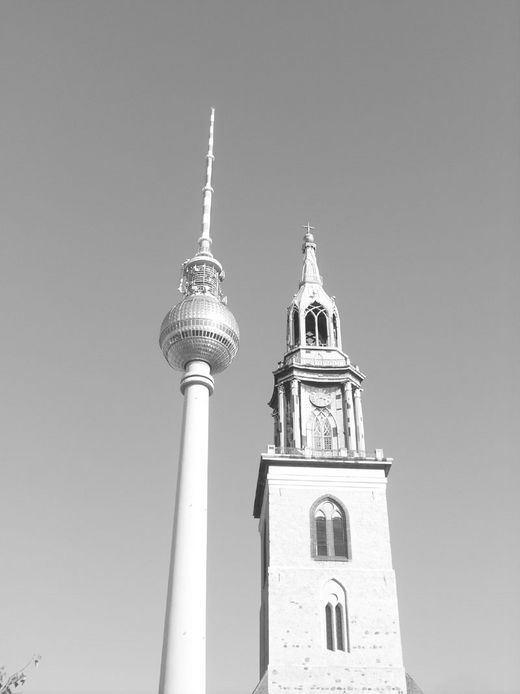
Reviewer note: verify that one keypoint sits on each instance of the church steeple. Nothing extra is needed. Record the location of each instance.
(317, 396)
(328, 617)
(312, 318)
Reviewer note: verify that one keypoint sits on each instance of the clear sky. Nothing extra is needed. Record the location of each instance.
(393, 127)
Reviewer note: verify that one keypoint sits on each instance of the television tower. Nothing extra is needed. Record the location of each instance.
(200, 337)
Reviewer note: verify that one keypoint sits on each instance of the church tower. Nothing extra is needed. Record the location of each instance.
(329, 619)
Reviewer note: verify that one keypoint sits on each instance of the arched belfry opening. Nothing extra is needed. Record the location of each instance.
(295, 327)
(316, 326)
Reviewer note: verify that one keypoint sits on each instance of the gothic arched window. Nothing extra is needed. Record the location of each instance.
(316, 326)
(330, 536)
(295, 327)
(336, 622)
(321, 430)
(329, 618)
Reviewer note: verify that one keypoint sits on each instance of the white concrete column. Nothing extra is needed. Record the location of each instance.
(297, 434)
(281, 415)
(348, 417)
(360, 430)
(183, 666)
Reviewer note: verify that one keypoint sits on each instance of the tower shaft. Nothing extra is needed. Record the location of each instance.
(183, 668)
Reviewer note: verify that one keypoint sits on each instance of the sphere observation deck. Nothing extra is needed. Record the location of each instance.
(199, 327)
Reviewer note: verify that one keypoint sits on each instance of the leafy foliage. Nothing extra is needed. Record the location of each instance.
(8, 683)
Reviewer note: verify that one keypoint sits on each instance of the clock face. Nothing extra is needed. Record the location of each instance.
(320, 399)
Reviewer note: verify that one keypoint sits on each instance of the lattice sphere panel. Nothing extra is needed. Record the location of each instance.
(199, 327)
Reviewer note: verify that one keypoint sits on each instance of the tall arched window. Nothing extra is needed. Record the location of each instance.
(340, 627)
(321, 533)
(329, 618)
(330, 536)
(316, 326)
(296, 326)
(336, 617)
(321, 429)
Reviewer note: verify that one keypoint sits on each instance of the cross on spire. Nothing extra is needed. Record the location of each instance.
(310, 272)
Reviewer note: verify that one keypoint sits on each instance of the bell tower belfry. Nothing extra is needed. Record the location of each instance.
(317, 395)
(329, 618)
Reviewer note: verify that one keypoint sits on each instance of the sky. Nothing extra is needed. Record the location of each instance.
(394, 128)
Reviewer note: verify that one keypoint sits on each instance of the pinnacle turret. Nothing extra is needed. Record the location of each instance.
(312, 319)
(310, 272)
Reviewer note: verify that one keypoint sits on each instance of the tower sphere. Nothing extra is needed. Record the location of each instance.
(199, 327)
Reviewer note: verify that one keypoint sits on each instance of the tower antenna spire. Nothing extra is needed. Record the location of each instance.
(207, 192)
(200, 337)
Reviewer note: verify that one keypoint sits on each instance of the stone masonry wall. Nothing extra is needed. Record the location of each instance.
(298, 658)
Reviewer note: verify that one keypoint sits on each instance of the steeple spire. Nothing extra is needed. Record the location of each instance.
(207, 192)
(313, 319)
(310, 272)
